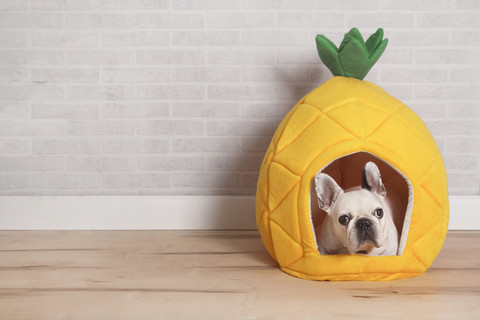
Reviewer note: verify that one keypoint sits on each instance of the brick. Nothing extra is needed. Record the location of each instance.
(171, 163)
(205, 145)
(15, 181)
(414, 5)
(294, 19)
(465, 74)
(465, 38)
(293, 92)
(95, 163)
(255, 144)
(451, 19)
(14, 146)
(237, 163)
(136, 146)
(277, 4)
(119, 4)
(98, 127)
(32, 92)
(183, 92)
(417, 38)
(464, 181)
(32, 163)
(207, 74)
(137, 180)
(205, 109)
(455, 92)
(466, 4)
(67, 180)
(14, 39)
(347, 5)
(14, 74)
(241, 92)
(205, 4)
(64, 111)
(14, 110)
(328, 20)
(248, 180)
(397, 56)
(170, 20)
(188, 57)
(298, 57)
(66, 4)
(409, 75)
(100, 20)
(241, 57)
(170, 127)
(31, 128)
(153, 4)
(447, 56)
(430, 110)
(135, 75)
(464, 144)
(205, 38)
(453, 127)
(240, 20)
(66, 146)
(267, 109)
(100, 57)
(31, 56)
(461, 162)
(65, 75)
(100, 92)
(320, 74)
(464, 110)
(276, 38)
(273, 74)
(30, 20)
(387, 19)
(64, 39)
(240, 128)
(135, 110)
(205, 180)
(14, 5)
(136, 38)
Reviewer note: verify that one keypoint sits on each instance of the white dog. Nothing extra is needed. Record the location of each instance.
(357, 222)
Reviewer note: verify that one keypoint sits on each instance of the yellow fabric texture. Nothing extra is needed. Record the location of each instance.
(341, 117)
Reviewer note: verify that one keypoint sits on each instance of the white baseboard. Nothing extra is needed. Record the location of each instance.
(162, 212)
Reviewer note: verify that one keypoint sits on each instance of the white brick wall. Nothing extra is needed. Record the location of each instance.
(182, 96)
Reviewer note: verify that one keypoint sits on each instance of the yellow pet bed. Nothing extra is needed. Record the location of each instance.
(336, 129)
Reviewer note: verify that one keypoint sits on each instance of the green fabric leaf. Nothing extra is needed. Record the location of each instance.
(354, 57)
(329, 55)
(374, 40)
(349, 36)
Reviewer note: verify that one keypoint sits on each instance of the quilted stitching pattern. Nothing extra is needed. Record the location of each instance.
(341, 116)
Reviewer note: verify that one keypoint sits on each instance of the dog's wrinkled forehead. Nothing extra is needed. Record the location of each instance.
(358, 202)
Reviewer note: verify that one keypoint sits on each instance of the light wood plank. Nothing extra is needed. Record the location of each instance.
(211, 275)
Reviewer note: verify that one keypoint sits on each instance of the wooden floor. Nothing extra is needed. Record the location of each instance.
(212, 275)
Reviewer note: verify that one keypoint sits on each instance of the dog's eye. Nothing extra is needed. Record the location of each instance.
(379, 213)
(343, 220)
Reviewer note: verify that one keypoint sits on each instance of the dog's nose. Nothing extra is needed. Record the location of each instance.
(363, 224)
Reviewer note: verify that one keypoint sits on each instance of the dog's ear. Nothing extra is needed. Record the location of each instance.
(372, 180)
(327, 191)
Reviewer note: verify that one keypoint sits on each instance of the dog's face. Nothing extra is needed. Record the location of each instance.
(358, 218)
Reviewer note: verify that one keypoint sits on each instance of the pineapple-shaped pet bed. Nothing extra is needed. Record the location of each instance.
(336, 129)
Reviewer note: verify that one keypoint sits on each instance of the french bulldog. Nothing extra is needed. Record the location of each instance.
(358, 221)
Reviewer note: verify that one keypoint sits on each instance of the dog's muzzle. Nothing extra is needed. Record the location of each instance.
(366, 235)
